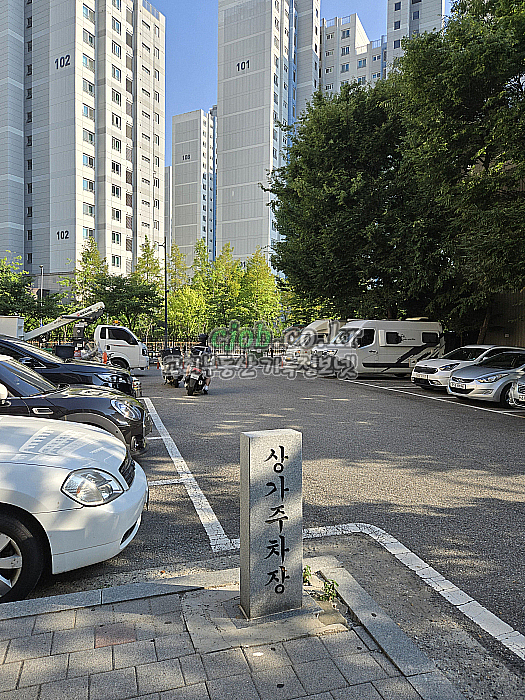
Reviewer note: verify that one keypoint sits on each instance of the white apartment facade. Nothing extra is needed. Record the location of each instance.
(194, 181)
(85, 126)
(268, 64)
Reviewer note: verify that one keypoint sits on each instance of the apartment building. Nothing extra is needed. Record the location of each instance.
(84, 124)
(408, 18)
(194, 181)
(268, 64)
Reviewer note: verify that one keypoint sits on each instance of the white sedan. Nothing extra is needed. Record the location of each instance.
(70, 496)
(435, 374)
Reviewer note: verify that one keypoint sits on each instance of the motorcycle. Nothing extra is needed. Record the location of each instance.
(171, 364)
(195, 380)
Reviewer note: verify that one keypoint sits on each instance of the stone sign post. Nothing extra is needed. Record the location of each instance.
(271, 522)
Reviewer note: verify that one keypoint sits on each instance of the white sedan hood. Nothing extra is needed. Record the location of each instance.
(53, 443)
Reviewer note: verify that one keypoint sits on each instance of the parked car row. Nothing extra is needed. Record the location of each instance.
(479, 372)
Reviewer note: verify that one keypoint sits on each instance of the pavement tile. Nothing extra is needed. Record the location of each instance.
(124, 609)
(70, 689)
(134, 653)
(94, 616)
(164, 604)
(169, 623)
(172, 646)
(364, 691)
(44, 670)
(279, 684)
(367, 639)
(343, 643)
(397, 689)
(266, 657)
(319, 676)
(434, 686)
(113, 685)
(3, 648)
(359, 668)
(232, 688)
(190, 692)
(116, 633)
(192, 669)
(9, 675)
(90, 661)
(52, 622)
(77, 639)
(21, 694)
(221, 664)
(164, 675)
(306, 649)
(17, 627)
(29, 647)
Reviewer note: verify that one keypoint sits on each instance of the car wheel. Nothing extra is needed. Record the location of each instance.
(117, 362)
(21, 559)
(504, 397)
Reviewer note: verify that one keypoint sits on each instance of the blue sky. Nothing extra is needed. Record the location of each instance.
(191, 48)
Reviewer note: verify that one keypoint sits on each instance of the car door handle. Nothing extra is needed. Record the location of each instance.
(373, 352)
(42, 411)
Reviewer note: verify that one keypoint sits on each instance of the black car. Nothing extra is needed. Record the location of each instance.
(24, 392)
(68, 371)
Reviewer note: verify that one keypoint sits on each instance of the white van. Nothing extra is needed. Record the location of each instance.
(375, 346)
(123, 348)
(316, 333)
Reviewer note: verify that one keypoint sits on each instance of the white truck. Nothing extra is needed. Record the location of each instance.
(318, 332)
(376, 346)
(122, 347)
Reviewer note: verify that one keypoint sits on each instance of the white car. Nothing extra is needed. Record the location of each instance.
(70, 496)
(435, 374)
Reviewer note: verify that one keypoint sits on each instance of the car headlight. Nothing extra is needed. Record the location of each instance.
(447, 368)
(492, 378)
(107, 377)
(91, 487)
(331, 352)
(126, 409)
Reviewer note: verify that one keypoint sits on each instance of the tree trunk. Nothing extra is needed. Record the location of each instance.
(484, 326)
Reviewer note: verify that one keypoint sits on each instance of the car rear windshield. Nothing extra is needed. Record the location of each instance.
(506, 360)
(27, 349)
(23, 381)
(464, 354)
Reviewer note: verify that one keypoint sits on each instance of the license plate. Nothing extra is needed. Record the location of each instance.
(418, 375)
(458, 385)
(193, 375)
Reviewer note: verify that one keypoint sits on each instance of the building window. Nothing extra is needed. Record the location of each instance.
(116, 120)
(345, 34)
(116, 49)
(156, 203)
(376, 57)
(156, 52)
(30, 235)
(88, 13)
(116, 3)
(157, 97)
(29, 93)
(376, 76)
(115, 72)
(156, 161)
(116, 144)
(156, 225)
(88, 232)
(146, 69)
(29, 188)
(345, 68)
(116, 167)
(146, 137)
(116, 191)
(88, 136)
(116, 97)
(30, 164)
(145, 115)
(157, 74)
(415, 15)
(116, 260)
(146, 25)
(146, 47)
(329, 70)
(29, 69)
(361, 63)
(116, 215)
(397, 6)
(157, 31)
(88, 112)
(88, 87)
(156, 182)
(397, 24)
(29, 211)
(115, 237)
(88, 38)
(329, 36)
(88, 185)
(397, 43)
(157, 118)
(361, 80)
(29, 117)
(88, 161)
(345, 50)
(30, 258)
(88, 62)
(29, 22)
(329, 86)
(415, 1)
(29, 46)
(115, 24)
(88, 209)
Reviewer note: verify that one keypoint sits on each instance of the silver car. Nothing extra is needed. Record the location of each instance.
(435, 373)
(490, 379)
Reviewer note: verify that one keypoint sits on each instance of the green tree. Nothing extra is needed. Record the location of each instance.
(187, 311)
(177, 269)
(258, 295)
(128, 299)
(16, 297)
(148, 269)
(91, 264)
(225, 286)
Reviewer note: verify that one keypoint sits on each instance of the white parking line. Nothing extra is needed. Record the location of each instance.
(165, 482)
(218, 540)
(436, 398)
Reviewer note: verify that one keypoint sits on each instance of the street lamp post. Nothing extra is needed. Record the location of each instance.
(41, 292)
(165, 246)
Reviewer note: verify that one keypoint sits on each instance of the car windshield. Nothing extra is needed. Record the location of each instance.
(464, 354)
(345, 336)
(32, 350)
(506, 360)
(23, 381)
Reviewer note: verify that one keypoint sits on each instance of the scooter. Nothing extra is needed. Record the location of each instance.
(195, 380)
(171, 364)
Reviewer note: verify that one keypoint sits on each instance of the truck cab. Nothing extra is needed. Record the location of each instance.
(122, 347)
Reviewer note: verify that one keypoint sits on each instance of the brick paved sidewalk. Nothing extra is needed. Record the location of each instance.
(186, 639)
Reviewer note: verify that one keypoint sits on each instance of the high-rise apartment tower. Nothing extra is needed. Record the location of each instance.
(82, 153)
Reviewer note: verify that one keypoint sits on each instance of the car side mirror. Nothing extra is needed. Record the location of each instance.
(28, 361)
